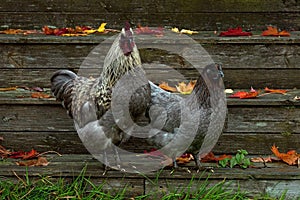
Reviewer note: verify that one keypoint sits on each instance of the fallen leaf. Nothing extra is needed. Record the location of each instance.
(165, 86)
(210, 157)
(186, 31)
(8, 89)
(185, 158)
(273, 31)
(291, 157)
(4, 153)
(40, 95)
(148, 31)
(278, 91)
(40, 161)
(23, 155)
(234, 32)
(12, 31)
(245, 95)
(176, 30)
(184, 88)
(101, 28)
(262, 159)
(183, 31)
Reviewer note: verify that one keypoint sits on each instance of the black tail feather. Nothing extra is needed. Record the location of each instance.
(61, 87)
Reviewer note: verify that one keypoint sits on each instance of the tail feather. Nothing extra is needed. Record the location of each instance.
(61, 87)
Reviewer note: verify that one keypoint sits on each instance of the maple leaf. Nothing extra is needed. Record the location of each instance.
(184, 88)
(40, 95)
(165, 86)
(278, 91)
(234, 32)
(291, 157)
(273, 31)
(245, 95)
(40, 161)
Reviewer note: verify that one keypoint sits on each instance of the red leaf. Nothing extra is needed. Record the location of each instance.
(234, 32)
(148, 31)
(245, 95)
(290, 157)
(24, 155)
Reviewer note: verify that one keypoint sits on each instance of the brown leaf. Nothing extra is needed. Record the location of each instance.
(4, 153)
(40, 95)
(262, 160)
(291, 157)
(40, 161)
(210, 157)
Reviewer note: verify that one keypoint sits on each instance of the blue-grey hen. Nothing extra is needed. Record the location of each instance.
(192, 124)
(88, 101)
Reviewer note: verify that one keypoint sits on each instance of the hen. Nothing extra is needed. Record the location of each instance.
(89, 101)
(192, 124)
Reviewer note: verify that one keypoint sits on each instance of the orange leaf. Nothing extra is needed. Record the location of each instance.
(184, 88)
(4, 153)
(290, 158)
(273, 31)
(12, 31)
(39, 95)
(8, 89)
(261, 159)
(166, 87)
(40, 161)
(275, 91)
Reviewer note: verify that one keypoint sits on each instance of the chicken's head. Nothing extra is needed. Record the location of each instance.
(126, 41)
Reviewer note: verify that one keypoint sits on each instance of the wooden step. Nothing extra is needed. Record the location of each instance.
(272, 179)
(247, 61)
(44, 125)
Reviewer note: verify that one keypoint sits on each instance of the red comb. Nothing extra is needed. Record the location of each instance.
(127, 26)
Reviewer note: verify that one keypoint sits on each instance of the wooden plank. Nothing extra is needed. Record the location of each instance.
(69, 142)
(197, 21)
(146, 6)
(283, 120)
(72, 55)
(234, 78)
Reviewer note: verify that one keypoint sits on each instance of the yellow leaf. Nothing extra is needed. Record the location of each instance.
(89, 31)
(175, 29)
(101, 28)
(74, 34)
(188, 31)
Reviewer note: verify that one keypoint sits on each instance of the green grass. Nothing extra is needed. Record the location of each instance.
(82, 187)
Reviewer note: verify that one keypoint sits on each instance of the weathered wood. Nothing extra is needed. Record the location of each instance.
(150, 7)
(272, 180)
(197, 21)
(258, 78)
(69, 142)
(246, 119)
